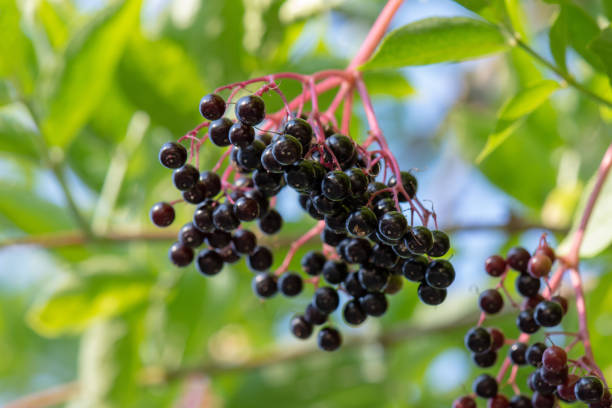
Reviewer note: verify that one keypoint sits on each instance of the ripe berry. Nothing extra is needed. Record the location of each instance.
(172, 155)
(539, 265)
(250, 110)
(326, 299)
(419, 240)
(211, 183)
(196, 194)
(244, 241)
(287, 150)
(337, 222)
(414, 268)
(402, 250)
(534, 354)
(485, 359)
(190, 236)
(527, 285)
(373, 278)
(491, 301)
(565, 391)
(334, 272)
(359, 180)
(562, 301)
(537, 383)
(526, 322)
(271, 222)
(485, 386)
(300, 327)
(314, 316)
(431, 296)
(495, 265)
(264, 285)
(246, 209)
(332, 238)
(589, 389)
(263, 202)
(326, 206)
(532, 302)
(604, 402)
(268, 183)
(520, 401)
(301, 176)
(312, 263)
(241, 135)
(441, 244)
(361, 222)
(464, 402)
(212, 106)
(329, 339)
(477, 340)
(300, 129)
(209, 262)
(548, 314)
(180, 254)
(224, 218)
(497, 338)
(353, 286)
(517, 353)
(185, 178)
(249, 158)
(540, 400)
(260, 259)
(218, 238)
(341, 147)
(498, 401)
(383, 256)
(554, 358)
(336, 185)
(268, 161)
(353, 313)
(383, 206)
(517, 259)
(374, 304)
(290, 284)
(229, 254)
(218, 131)
(357, 250)
(440, 274)
(555, 377)
(393, 225)
(408, 181)
(162, 214)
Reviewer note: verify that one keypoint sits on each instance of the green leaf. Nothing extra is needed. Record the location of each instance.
(387, 83)
(492, 10)
(581, 30)
(55, 27)
(517, 16)
(510, 115)
(435, 40)
(91, 59)
(558, 40)
(18, 131)
(602, 46)
(81, 300)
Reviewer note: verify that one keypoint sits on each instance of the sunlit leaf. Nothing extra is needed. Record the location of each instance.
(492, 10)
(18, 131)
(602, 46)
(558, 40)
(387, 83)
(581, 30)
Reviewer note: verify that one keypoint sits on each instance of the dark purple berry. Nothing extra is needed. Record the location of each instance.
(485, 359)
(440, 274)
(517, 259)
(415, 267)
(419, 240)
(495, 265)
(260, 259)
(314, 316)
(589, 389)
(374, 304)
(353, 313)
(250, 110)
(534, 354)
(271, 222)
(326, 299)
(329, 339)
(336, 185)
(172, 155)
(224, 218)
(264, 285)
(431, 296)
(246, 209)
(180, 254)
(312, 263)
(244, 241)
(218, 131)
(334, 272)
(478, 340)
(287, 150)
(209, 262)
(441, 244)
(526, 323)
(491, 301)
(353, 287)
(300, 327)
(290, 284)
(393, 225)
(518, 353)
(548, 314)
(241, 135)
(185, 177)
(485, 386)
(527, 285)
(373, 278)
(190, 236)
(408, 181)
(162, 214)
(212, 106)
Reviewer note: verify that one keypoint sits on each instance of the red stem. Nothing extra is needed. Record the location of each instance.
(314, 231)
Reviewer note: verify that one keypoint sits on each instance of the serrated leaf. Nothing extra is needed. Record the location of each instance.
(91, 59)
(18, 131)
(602, 46)
(435, 40)
(81, 300)
(387, 83)
(558, 40)
(510, 115)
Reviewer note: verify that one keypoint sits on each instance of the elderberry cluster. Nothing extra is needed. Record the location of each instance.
(371, 243)
(551, 380)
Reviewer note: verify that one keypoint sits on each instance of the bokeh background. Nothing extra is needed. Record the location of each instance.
(89, 91)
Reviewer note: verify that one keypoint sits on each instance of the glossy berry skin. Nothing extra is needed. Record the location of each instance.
(336, 185)
(409, 182)
(548, 314)
(224, 218)
(491, 301)
(477, 340)
(539, 265)
(374, 304)
(604, 402)
(313, 315)
(244, 241)
(537, 383)
(373, 278)
(589, 389)
(495, 265)
(555, 377)
(518, 258)
(162, 214)
(498, 401)
(341, 146)
(393, 225)
(540, 400)
(229, 254)
(172, 155)
(180, 254)
(485, 359)
(287, 150)
(301, 176)
(262, 200)
(383, 206)
(268, 183)
(464, 402)
(209, 262)
(185, 177)
(260, 259)
(249, 157)
(517, 353)
(441, 244)
(534, 354)
(250, 110)
(520, 401)
(562, 301)
(196, 194)
(485, 386)
(419, 240)
(332, 238)
(334, 272)
(383, 256)
(271, 222)
(268, 161)
(300, 327)
(300, 129)
(357, 250)
(497, 338)
(326, 206)
(353, 287)
(264, 285)
(526, 322)
(440, 274)
(326, 299)
(290, 284)
(353, 313)
(246, 209)
(415, 267)
(211, 183)
(527, 285)
(361, 222)
(218, 238)
(212, 106)
(565, 391)
(359, 180)
(312, 263)
(431, 296)
(241, 135)
(554, 358)
(329, 339)
(190, 236)
(218, 132)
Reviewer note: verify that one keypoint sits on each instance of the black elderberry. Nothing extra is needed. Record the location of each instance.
(196, 194)
(212, 106)
(464, 402)
(485, 386)
(373, 279)
(329, 339)
(526, 285)
(383, 206)
(353, 287)
(393, 225)
(337, 222)
(357, 250)
(301, 130)
(440, 274)
(518, 353)
(540, 400)
(341, 147)
(565, 391)
(264, 138)
(331, 237)
(526, 322)
(419, 239)
(185, 177)
(224, 218)
(287, 150)
(246, 209)
(271, 222)
(162, 214)
(409, 182)
(548, 314)
(180, 254)
(534, 354)
(415, 267)
(172, 155)
(290, 284)
(520, 401)
(229, 254)
(313, 212)
(361, 222)
(300, 327)
(211, 182)
(353, 313)
(485, 359)
(218, 131)
(383, 256)
(312, 263)
(495, 265)
(264, 285)
(555, 377)
(250, 110)
(402, 250)
(209, 262)
(336, 185)
(491, 301)
(589, 389)
(561, 301)
(244, 241)
(334, 272)
(262, 200)
(359, 180)
(477, 340)
(313, 315)
(537, 384)
(374, 304)
(190, 236)
(260, 259)
(249, 158)
(326, 299)
(326, 206)
(241, 135)
(301, 177)
(268, 183)
(380, 191)
(218, 238)
(518, 258)
(431, 296)
(441, 244)
(378, 237)
(268, 161)
(554, 358)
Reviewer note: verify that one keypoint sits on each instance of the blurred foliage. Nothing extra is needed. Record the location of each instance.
(89, 90)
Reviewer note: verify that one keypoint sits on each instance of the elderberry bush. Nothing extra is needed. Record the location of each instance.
(553, 377)
(368, 242)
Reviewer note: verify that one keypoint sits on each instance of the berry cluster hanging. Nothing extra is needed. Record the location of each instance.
(353, 191)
